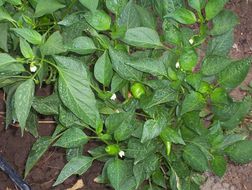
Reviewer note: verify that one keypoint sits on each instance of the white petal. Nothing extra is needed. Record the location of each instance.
(33, 68)
(121, 153)
(177, 65)
(191, 41)
(113, 97)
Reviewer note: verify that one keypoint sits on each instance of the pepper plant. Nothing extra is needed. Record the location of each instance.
(148, 79)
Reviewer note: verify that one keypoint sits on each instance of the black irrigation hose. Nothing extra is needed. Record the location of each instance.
(6, 168)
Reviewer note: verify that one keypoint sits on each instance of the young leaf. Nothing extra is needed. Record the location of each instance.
(103, 71)
(99, 20)
(195, 158)
(214, 64)
(213, 7)
(30, 35)
(221, 45)
(77, 165)
(240, 152)
(224, 22)
(119, 60)
(72, 138)
(183, 16)
(233, 75)
(82, 45)
(43, 7)
(197, 4)
(142, 37)
(26, 49)
(74, 90)
(193, 101)
(219, 165)
(23, 101)
(117, 173)
(90, 4)
(37, 151)
(188, 60)
(53, 45)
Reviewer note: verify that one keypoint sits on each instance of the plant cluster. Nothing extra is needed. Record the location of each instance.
(150, 79)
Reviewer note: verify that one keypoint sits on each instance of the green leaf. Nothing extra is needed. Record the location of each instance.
(23, 101)
(26, 49)
(53, 45)
(213, 7)
(240, 152)
(103, 71)
(99, 20)
(74, 90)
(30, 35)
(4, 36)
(197, 4)
(142, 37)
(219, 165)
(195, 158)
(129, 17)
(158, 178)
(14, 2)
(6, 59)
(32, 124)
(171, 135)
(224, 22)
(116, 6)
(68, 118)
(153, 66)
(77, 165)
(47, 105)
(4, 15)
(193, 101)
(233, 75)
(74, 152)
(152, 128)
(119, 60)
(117, 173)
(147, 19)
(172, 33)
(188, 60)
(231, 139)
(82, 45)
(72, 138)
(183, 16)
(37, 151)
(90, 4)
(43, 7)
(221, 45)
(214, 64)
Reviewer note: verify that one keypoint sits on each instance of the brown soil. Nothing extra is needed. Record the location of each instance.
(15, 148)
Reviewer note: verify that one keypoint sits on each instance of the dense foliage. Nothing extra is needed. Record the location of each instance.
(150, 79)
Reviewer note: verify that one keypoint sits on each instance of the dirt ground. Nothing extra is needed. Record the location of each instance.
(15, 148)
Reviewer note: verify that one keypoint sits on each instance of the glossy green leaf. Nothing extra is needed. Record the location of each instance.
(23, 101)
(183, 16)
(82, 45)
(53, 45)
(6, 59)
(90, 4)
(103, 71)
(116, 6)
(142, 37)
(193, 101)
(43, 7)
(26, 49)
(4, 15)
(214, 64)
(37, 151)
(195, 158)
(197, 4)
(223, 22)
(219, 165)
(119, 60)
(77, 165)
(233, 75)
(73, 77)
(171, 135)
(172, 33)
(240, 152)
(99, 20)
(30, 35)
(14, 2)
(4, 36)
(147, 19)
(72, 138)
(213, 7)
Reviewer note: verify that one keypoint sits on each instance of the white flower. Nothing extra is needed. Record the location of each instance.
(113, 97)
(121, 153)
(33, 68)
(177, 65)
(117, 111)
(191, 41)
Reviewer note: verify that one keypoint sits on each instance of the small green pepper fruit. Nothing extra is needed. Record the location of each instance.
(204, 88)
(168, 146)
(137, 90)
(106, 137)
(112, 149)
